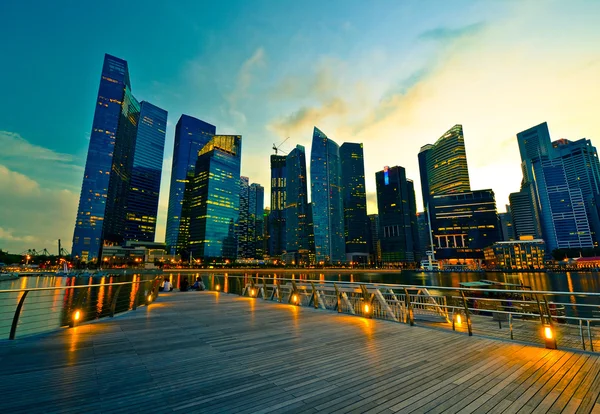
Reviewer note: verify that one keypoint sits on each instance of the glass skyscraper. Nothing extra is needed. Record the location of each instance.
(144, 189)
(257, 210)
(326, 198)
(296, 207)
(244, 238)
(398, 228)
(443, 166)
(119, 198)
(215, 199)
(277, 243)
(191, 135)
(87, 238)
(355, 202)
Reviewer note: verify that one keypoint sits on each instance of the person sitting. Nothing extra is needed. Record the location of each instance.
(198, 284)
(184, 285)
(167, 286)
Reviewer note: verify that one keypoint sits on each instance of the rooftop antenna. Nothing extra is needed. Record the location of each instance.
(278, 147)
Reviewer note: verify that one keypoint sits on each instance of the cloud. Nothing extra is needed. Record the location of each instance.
(246, 75)
(446, 34)
(13, 145)
(306, 117)
(34, 217)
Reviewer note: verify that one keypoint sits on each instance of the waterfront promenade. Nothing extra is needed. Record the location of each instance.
(211, 352)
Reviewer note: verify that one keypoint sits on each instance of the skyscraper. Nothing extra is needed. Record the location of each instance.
(191, 135)
(215, 199)
(398, 230)
(506, 225)
(119, 194)
(326, 198)
(524, 213)
(144, 189)
(582, 170)
(296, 207)
(443, 165)
(257, 210)
(355, 202)
(463, 224)
(375, 247)
(114, 82)
(277, 243)
(244, 237)
(533, 143)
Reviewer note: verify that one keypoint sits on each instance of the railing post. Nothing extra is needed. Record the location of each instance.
(15, 322)
(113, 303)
(581, 334)
(590, 336)
(294, 292)
(411, 316)
(264, 289)
(467, 315)
(338, 296)
(136, 296)
(510, 325)
(315, 297)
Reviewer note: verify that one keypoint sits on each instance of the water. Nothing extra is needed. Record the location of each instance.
(48, 310)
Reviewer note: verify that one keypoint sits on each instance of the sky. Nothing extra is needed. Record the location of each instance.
(394, 75)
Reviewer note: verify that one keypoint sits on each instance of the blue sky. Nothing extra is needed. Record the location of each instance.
(394, 75)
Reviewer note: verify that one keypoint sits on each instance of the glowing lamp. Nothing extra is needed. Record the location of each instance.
(251, 292)
(549, 339)
(150, 298)
(458, 320)
(295, 298)
(367, 308)
(76, 315)
(218, 287)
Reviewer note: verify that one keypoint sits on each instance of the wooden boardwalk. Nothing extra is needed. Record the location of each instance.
(205, 352)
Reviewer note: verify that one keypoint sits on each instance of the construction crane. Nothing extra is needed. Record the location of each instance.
(278, 147)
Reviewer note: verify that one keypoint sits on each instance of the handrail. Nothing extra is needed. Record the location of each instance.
(532, 317)
(74, 309)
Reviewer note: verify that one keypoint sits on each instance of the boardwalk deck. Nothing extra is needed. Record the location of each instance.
(205, 352)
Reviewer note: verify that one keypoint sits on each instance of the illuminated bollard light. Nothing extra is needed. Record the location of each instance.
(149, 298)
(295, 299)
(458, 319)
(251, 293)
(218, 287)
(76, 315)
(549, 339)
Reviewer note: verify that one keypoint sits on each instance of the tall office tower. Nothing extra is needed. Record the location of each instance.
(326, 197)
(443, 166)
(463, 224)
(582, 169)
(533, 143)
(524, 214)
(266, 232)
(277, 230)
(244, 227)
(506, 225)
(564, 219)
(144, 188)
(296, 207)
(215, 199)
(397, 216)
(424, 233)
(191, 135)
(113, 134)
(256, 203)
(375, 246)
(355, 202)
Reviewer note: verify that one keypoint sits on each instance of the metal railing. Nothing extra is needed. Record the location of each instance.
(523, 315)
(36, 310)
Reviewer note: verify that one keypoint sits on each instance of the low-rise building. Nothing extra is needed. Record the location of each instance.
(516, 255)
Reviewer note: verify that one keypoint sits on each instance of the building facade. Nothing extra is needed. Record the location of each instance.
(397, 213)
(296, 208)
(463, 224)
(215, 200)
(256, 204)
(277, 228)
(191, 135)
(326, 198)
(443, 166)
(119, 193)
(144, 189)
(375, 245)
(516, 255)
(354, 199)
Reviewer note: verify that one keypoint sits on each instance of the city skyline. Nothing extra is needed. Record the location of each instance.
(42, 162)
